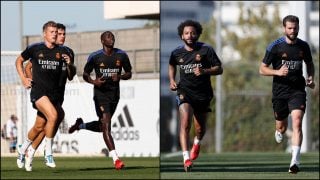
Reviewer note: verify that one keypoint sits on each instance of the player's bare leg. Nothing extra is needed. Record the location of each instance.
(39, 126)
(36, 129)
(41, 122)
(22, 160)
(41, 119)
(297, 137)
(281, 127)
(199, 122)
(45, 106)
(186, 112)
(108, 139)
(106, 131)
(61, 115)
(37, 141)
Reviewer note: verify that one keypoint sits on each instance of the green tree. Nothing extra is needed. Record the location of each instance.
(257, 32)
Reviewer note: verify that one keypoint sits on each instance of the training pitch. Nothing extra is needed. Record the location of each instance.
(240, 166)
(207, 166)
(82, 168)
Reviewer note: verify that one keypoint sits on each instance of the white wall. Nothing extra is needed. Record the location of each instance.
(139, 97)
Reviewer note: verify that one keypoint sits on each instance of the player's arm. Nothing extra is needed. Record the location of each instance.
(127, 69)
(126, 75)
(215, 70)
(19, 66)
(172, 74)
(265, 70)
(71, 69)
(310, 68)
(216, 67)
(269, 57)
(97, 82)
(86, 74)
(28, 70)
(310, 71)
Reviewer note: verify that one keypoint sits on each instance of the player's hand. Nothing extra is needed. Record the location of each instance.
(115, 77)
(66, 58)
(197, 71)
(173, 86)
(27, 83)
(310, 83)
(283, 71)
(98, 81)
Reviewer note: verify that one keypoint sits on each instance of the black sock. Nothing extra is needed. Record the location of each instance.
(94, 126)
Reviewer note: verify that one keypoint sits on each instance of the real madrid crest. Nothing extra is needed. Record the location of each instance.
(284, 55)
(58, 56)
(40, 56)
(198, 57)
(118, 63)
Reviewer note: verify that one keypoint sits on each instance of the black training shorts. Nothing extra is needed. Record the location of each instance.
(283, 106)
(102, 105)
(36, 94)
(196, 104)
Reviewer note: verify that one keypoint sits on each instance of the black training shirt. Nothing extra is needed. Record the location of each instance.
(104, 66)
(46, 66)
(202, 56)
(280, 52)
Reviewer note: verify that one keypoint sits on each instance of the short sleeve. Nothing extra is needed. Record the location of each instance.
(27, 53)
(307, 51)
(89, 65)
(172, 60)
(126, 63)
(213, 58)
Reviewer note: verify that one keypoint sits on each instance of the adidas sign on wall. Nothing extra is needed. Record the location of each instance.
(135, 124)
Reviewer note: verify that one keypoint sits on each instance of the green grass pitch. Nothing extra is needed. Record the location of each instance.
(241, 166)
(82, 168)
(207, 166)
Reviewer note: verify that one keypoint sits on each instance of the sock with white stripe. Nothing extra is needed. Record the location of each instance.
(25, 146)
(114, 155)
(185, 155)
(48, 147)
(295, 155)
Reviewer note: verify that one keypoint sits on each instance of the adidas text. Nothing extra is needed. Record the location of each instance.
(125, 134)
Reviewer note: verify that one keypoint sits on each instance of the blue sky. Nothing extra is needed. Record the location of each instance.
(78, 16)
